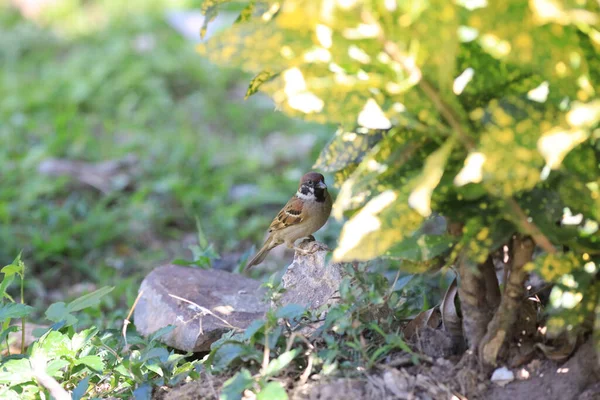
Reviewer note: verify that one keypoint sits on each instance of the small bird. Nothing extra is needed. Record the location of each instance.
(302, 216)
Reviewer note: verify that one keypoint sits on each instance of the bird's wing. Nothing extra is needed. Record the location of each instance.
(290, 214)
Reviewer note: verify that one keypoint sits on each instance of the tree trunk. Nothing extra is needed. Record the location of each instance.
(479, 296)
(501, 326)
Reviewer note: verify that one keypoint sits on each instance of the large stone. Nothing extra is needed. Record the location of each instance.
(310, 281)
(213, 302)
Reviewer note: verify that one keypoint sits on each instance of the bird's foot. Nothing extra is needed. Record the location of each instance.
(310, 247)
(304, 252)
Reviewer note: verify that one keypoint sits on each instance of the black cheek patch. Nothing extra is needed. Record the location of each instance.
(320, 195)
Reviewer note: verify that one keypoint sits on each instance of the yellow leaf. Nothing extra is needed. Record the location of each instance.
(420, 197)
(372, 116)
(555, 144)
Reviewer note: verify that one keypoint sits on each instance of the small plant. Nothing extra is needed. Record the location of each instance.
(67, 360)
(284, 349)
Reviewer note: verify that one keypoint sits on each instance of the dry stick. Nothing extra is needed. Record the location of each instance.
(266, 354)
(501, 326)
(305, 375)
(127, 321)
(205, 311)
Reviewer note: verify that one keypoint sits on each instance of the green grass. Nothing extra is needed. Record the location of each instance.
(74, 86)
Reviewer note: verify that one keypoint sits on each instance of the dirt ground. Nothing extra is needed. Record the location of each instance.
(443, 378)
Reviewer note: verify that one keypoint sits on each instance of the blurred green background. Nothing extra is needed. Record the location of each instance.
(103, 81)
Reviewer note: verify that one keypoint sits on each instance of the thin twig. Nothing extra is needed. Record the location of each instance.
(127, 320)
(266, 354)
(205, 311)
(389, 293)
(305, 375)
(290, 341)
(23, 302)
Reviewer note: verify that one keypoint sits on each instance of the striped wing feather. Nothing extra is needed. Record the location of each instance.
(290, 214)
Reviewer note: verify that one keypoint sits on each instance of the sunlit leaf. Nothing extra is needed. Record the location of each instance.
(420, 197)
(272, 391)
(257, 81)
(94, 362)
(346, 148)
(384, 221)
(279, 363)
(509, 145)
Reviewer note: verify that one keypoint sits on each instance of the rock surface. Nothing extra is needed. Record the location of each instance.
(309, 281)
(212, 296)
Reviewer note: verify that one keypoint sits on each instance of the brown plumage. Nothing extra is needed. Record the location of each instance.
(304, 214)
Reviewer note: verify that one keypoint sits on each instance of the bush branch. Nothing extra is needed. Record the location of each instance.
(530, 228)
(501, 326)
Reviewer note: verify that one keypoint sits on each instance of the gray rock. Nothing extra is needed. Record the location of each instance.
(208, 304)
(311, 282)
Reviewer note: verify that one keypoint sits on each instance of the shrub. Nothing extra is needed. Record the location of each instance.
(486, 113)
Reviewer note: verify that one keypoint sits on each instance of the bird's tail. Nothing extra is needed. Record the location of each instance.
(262, 253)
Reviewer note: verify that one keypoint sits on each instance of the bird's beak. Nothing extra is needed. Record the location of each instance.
(322, 185)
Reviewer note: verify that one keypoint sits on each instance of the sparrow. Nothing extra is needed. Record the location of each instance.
(305, 213)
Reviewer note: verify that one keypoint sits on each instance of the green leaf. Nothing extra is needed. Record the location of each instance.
(15, 372)
(553, 266)
(229, 352)
(165, 330)
(509, 145)
(55, 367)
(6, 281)
(54, 345)
(253, 328)
(4, 334)
(16, 268)
(9, 311)
(143, 392)
(290, 311)
(94, 362)
(272, 391)
(257, 81)
(59, 312)
(89, 300)
(347, 148)
(158, 352)
(81, 388)
(421, 247)
(276, 365)
(80, 339)
(234, 387)
(155, 368)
